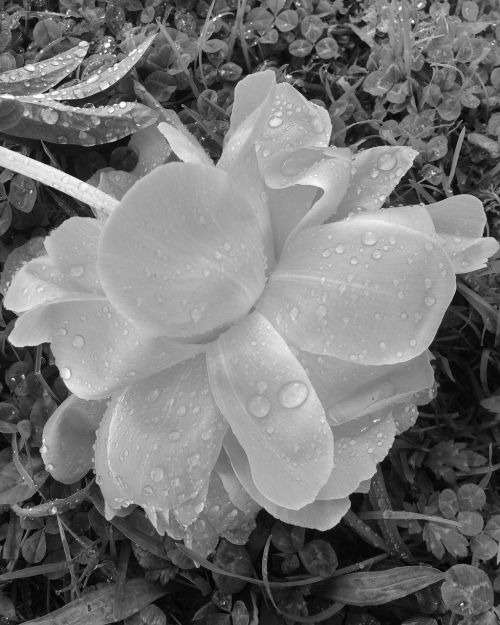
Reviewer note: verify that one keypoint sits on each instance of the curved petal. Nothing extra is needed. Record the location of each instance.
(377, 171)
(190, 260)
(273, 410)
(249, 94)
(96, 349)
(460, 215)
(326, 168)
(68, 269)
(161, 438)
(219, 518)
(467, 254)
(320, 515)
(152, 148)
(348, 390)
(362, 290)
(69, 438)
(185, 145)
(286, 208)
(359, 446)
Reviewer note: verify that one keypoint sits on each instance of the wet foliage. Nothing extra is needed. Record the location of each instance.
(422, 546)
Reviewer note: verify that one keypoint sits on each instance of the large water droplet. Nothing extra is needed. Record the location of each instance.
(49, 116)
(157, 474)
(275, 122)
(386, 161)
(259, 406)
(78, 341)
(293, 394)
(65, 373)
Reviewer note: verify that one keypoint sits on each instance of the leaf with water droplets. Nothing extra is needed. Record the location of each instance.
(52, 121)
(336, 281)
(159, 441)
(22, 193)
(35, 78)
(272, 408)
(467, 590)
(69, 437)
(321, 515)
(196, 243)
(103, 79)
(349, 390)
(377, 171)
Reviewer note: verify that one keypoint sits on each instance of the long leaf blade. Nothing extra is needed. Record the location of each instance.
(59, 123)
(35, 78)
(96, 606)
(379, 587)
(102, 80)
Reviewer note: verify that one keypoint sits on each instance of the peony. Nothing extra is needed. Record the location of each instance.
(248, 334)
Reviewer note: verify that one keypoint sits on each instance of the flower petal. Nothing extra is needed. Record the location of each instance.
(377, 171)
(334, 282)
(152, 148)
(162, 437)
(96, 349)
(359, 446)
(113, 182)
(67, 270)
(69, 438)
(184, 144)
(326, 168)
(320, 515)
(190, 260)
(348, 390)
(273, 410)
(459, 223)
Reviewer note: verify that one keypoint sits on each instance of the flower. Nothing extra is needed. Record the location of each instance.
(260, 327)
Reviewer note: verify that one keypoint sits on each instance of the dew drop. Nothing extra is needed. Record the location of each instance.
(78, 341)
(49, 116)
(148, 490)
(376, 254)
(293, 394)
(326, 253)
(369, 238)
(259, 406)
(65, 373)
(340, 249)
(62, 332)
(275, 122)
(195, 314)
(386, 161)
(427, 283)
(156, 474)
(153, 395)
(429, 301)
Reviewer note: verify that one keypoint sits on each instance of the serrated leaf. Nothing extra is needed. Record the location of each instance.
(59, 123)
(39, 77)
(379, 587)
(96, 606)
(467, 590)
(102, 80)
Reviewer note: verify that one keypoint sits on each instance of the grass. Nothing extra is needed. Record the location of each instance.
(418, 73)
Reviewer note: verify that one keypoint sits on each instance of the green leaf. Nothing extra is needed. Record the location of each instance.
(379, 587)
(39, 77)
(22, 193)
(34, 547)
(96, 606)
(467, 590)
(319, 558)
(10, 113)
(102, 80)
(60, 123)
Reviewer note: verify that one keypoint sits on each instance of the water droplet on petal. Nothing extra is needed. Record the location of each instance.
(259, 406)
(157, 474)
(195, 314)
(340, 249)
(148, 490)
(78, 341)
(293, 394)
(65, 373)
(429, 301)
(153, 395)
(369, 238)
(275, 122)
